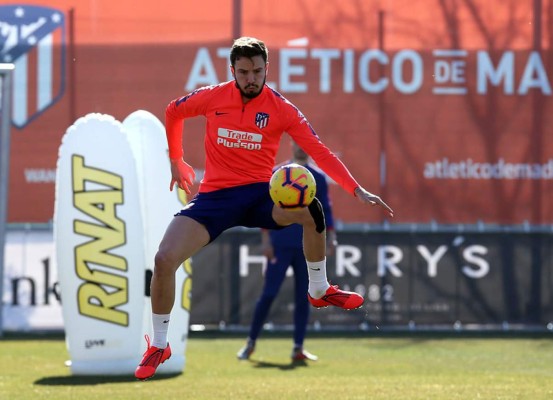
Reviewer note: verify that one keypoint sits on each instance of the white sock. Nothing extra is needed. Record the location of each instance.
(160, 323)
(318, 283)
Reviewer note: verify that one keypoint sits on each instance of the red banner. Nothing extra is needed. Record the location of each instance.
(444, 112)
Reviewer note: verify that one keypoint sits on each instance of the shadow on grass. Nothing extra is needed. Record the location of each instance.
(280, 366)
(82, 380)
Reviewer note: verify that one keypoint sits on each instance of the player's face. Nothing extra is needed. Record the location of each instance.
(250, 75)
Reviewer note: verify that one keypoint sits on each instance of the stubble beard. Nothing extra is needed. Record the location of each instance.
(250, 95)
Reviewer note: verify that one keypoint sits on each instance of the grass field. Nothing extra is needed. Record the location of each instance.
(349, 368)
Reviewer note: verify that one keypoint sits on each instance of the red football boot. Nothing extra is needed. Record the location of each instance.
(338, 298)
(151, 360)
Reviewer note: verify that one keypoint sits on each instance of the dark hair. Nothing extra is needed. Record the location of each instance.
(248, 47)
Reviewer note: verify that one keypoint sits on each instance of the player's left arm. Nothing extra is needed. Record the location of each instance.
(304, 135)
(367, 197)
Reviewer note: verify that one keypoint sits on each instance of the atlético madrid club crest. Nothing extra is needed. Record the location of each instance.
(261, 119)
(33, 39)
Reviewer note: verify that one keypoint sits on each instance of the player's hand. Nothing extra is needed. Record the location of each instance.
(266, 246)
(372, 199)
(269, 252)
(182, 174)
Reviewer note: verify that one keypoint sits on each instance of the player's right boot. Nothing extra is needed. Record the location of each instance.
(246, 351)
(334, 296)
(151, 360)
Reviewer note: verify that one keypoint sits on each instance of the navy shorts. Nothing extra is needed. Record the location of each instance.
(248, 205)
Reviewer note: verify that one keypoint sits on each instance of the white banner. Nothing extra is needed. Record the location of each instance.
(31, 289)
(99, 247)
(106, 233)
(146, 136)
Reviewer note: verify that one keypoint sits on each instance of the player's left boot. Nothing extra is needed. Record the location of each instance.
(299, 354)
(334, 296)
(151, 360)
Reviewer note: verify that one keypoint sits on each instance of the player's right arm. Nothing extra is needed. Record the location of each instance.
(177, 111)
(182, 174)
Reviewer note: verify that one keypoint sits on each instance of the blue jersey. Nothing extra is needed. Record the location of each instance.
(291, 236)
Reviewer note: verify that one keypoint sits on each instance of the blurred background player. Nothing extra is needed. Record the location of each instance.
(283, 248)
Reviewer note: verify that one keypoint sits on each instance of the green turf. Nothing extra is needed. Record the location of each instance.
(349, 368)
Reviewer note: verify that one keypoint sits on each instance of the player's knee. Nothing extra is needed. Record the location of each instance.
(316, 211)
(165, 263)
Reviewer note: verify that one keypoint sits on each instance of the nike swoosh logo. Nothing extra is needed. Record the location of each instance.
(315, 269)
(220, 113)
(166, 321)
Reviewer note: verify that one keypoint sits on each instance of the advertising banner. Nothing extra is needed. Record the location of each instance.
(422, 280)
(454, 116)
(111, 213)
(31, 295)
(146, 137)
(100, 247)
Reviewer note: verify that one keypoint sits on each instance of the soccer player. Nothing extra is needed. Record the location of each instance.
(245, 121)
(283, 248)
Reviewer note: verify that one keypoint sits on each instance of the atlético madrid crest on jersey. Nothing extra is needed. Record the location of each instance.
(261, 119)
(33, 39)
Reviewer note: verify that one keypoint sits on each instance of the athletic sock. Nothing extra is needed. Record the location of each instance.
(161, 326)
(318, 283)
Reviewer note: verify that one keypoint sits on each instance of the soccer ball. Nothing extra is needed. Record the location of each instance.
(292, 186)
